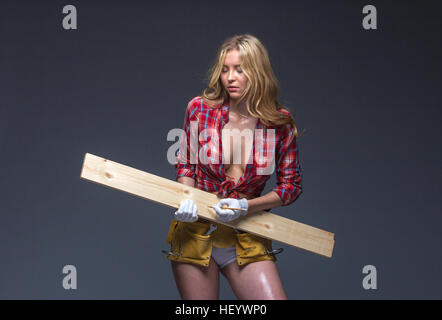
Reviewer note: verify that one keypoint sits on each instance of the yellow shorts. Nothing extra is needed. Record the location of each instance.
(189, 243)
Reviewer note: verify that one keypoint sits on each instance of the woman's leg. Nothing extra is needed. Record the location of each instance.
(255, 281)
(196, 282)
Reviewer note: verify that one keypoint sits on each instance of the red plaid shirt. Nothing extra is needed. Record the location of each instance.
(282, 148)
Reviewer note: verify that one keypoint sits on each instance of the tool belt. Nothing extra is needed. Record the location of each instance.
(192, 242)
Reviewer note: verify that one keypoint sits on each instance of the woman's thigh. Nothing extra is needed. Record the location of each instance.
(255, 281)
(196, 282)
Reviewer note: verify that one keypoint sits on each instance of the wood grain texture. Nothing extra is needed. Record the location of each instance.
(171, 193)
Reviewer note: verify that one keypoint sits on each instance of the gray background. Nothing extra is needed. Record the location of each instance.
(369, 101)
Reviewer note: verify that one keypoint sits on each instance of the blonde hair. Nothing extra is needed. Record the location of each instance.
(262, 88)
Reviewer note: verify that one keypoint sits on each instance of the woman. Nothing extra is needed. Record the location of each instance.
(242, 95)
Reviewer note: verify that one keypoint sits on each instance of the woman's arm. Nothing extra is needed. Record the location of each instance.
(184, 166)
(288, 175)
(267, 201)
(288, 167)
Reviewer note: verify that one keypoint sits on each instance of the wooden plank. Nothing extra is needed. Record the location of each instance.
(171, 193)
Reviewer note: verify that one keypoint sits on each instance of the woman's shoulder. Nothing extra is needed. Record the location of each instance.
(193, 107)
(198, 104)
(286, 129)
(285, 111)
(194, 102)
(199, 101)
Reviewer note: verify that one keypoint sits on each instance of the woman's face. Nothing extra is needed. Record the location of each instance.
(232, 76)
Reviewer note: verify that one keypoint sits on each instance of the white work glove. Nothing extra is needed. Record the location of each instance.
(227, 215)
(187, 211)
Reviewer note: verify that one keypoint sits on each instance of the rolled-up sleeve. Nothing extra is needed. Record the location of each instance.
(186, 163)
(288, 167)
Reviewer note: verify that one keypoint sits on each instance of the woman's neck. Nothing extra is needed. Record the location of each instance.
(240, 108)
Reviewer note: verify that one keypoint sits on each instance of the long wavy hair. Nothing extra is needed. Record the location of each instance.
(262, 88)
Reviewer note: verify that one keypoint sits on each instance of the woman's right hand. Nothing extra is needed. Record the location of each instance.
(187, 212)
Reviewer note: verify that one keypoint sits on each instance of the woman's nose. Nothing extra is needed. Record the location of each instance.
(231, 76)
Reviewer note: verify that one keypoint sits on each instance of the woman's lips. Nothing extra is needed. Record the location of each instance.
(233, 89)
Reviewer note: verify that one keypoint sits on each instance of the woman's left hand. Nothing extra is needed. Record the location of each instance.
(227, 215)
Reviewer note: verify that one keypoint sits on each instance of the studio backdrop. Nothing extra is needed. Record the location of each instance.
(112, 78)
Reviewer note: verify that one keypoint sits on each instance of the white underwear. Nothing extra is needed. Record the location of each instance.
(223, 256)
